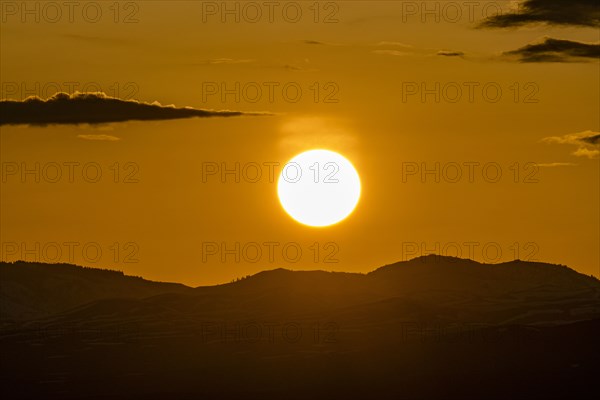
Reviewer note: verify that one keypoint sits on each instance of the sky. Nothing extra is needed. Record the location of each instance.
(473, 127)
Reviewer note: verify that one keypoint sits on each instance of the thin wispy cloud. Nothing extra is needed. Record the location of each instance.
(587, 142)
(402, 50)
(320, 43)
(103, 138)
(397, 53)
(585, 152)
(219, 61)
(392, 43)
(315, 42)
(556, 164)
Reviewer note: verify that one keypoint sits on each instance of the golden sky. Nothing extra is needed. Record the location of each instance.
(378, 84)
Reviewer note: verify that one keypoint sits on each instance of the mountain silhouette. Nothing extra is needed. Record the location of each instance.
(30, 290)
(298, 334)
(514, 291)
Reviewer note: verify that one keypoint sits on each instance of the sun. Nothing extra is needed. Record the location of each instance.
(319, 188)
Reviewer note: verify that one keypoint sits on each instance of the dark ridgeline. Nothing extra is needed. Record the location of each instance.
(431, 327)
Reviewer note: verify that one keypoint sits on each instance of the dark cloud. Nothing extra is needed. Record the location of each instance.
(556, 50)
(402, 49)
(594, 139)
(95, 108)
(552, 12)
(318, 43)
(450, 53)
(313, 42)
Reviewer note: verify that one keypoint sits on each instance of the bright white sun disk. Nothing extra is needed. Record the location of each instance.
(319, 188)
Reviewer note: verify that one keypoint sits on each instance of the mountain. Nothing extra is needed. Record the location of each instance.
(456, 290)
(74, 332)
(32, 290)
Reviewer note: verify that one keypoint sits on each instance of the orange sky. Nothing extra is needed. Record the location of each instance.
(356, 73)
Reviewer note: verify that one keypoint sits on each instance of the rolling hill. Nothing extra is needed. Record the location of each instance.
(298, 334)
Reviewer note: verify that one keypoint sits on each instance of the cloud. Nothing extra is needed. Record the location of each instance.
(313, 42)
(319, 43)
(552, 12)
(406, 50)
(393, 52)
(220, 62)
(585, 152)
(556, 50)
(594, 139)
(398, 44)
(399, 49)
(228, 61)
(107, 138)
(95, 108)
(556, 164)
(586, 137)
(587, 143)
(291, 67)
(450, 53)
